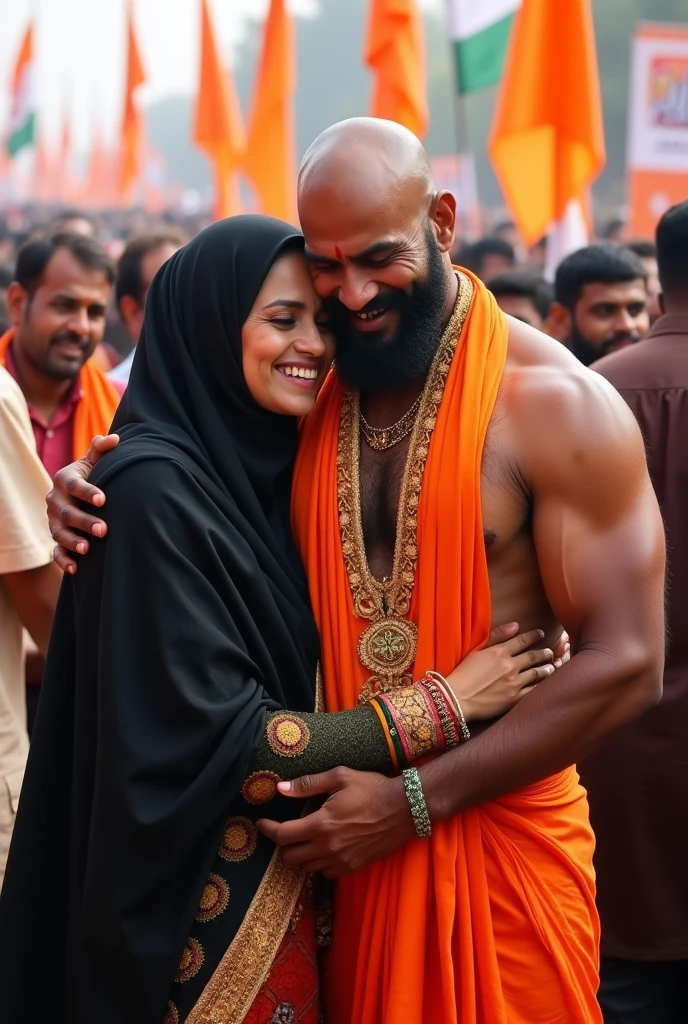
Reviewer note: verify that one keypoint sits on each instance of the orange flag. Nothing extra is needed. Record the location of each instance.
(270, 160)
(132, 119)
(154, 198)
(44, 172)
(547, 141)
(395, 52)
(65, 177)
(22, 127)
(96, 184)
(218, 128)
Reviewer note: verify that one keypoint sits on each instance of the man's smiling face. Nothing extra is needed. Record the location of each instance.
(376, 261)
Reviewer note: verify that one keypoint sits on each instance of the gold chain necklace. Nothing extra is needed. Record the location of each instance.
(381, 438)
(387, 646)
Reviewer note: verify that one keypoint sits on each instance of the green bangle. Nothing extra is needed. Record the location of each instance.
(419, 808)
(394, 735)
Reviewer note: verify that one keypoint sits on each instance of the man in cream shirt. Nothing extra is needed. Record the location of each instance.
(29, 585)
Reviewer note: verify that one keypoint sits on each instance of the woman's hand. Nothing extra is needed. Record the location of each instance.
(65, 516)
(488, 683)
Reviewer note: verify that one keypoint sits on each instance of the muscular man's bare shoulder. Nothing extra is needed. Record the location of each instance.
(544, 385)
(569, 424)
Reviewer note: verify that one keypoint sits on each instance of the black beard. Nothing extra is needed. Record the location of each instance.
(588, 353)
(375, 362)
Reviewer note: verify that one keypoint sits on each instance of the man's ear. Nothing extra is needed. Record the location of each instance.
(443, 213)
(17, 300)
(559, 322)
(131, 314)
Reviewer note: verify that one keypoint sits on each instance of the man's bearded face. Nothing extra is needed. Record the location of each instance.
(392, 340)
(608, 317)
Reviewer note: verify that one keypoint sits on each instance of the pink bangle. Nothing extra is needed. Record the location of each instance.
(454, 702)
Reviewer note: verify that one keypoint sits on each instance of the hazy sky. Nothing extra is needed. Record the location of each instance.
(80, 52)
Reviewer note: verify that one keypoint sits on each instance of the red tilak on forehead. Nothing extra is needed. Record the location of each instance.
(339, 254)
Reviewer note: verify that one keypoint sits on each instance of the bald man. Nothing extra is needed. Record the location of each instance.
(460, 470)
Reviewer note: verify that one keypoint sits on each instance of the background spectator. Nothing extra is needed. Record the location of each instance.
(524, 295)
(29, 585)
(614, 230)
(137, 266)
(646, 251)
(600, 302)
(6, 275)
(638, 781)
(488, 257)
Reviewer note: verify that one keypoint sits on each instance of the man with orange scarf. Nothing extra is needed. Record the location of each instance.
(57, 305)
(460, 470)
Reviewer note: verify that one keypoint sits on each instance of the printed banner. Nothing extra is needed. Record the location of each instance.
(658, 123)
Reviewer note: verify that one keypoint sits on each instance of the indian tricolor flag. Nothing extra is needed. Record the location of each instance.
(22, 127)
(479, 30)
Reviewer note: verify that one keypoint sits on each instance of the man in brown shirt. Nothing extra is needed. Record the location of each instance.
(638, 781)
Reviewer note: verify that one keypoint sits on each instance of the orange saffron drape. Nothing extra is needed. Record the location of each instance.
(395, 53)
(95, 409)
(270, 159)
(492, 920)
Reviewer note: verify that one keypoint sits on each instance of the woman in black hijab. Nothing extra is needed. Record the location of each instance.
(182, 631)
(138, 888)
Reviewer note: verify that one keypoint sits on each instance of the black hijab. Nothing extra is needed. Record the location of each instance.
(181, 629)
(187, 385)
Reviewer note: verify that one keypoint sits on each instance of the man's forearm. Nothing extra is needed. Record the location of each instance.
(34, 593)
(550, 729)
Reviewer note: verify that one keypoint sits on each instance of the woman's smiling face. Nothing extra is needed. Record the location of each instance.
(287, 347)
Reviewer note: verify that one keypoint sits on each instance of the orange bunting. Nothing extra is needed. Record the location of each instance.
(270, 160)
(132, 132)
(395, 52)
(218, 127)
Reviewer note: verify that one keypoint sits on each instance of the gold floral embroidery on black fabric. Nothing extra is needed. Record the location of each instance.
(214, 899)
(191, 961)
(246, 964)
(260, 787)
(288, 735)
(239, 840)
(171, 1014)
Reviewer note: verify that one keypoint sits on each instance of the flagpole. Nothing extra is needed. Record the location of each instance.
(463, 144)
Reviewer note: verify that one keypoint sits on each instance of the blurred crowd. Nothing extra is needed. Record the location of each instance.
(603, 297)
(131, 240)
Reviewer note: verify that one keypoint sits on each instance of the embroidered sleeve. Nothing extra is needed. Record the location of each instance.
(388, 733)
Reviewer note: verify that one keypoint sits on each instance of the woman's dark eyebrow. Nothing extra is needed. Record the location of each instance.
(289, 303)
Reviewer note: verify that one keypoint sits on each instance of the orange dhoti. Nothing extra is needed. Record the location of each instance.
(492, 920)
